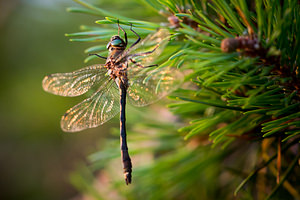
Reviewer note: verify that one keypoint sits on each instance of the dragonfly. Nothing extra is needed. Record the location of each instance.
(126, 75)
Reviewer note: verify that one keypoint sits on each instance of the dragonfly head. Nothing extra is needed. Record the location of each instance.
(116, 42)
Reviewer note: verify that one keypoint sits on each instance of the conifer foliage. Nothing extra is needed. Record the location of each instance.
(237, 128)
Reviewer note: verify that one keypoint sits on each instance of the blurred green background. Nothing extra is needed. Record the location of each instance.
(36, 156)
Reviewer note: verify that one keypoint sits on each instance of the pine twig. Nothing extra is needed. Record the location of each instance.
(285, 175)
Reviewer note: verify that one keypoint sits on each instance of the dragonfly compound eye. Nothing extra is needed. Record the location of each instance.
(117, 43)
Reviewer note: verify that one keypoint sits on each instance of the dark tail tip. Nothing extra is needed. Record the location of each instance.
(127, 176)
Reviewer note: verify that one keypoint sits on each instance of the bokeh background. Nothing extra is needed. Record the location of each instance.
(36, 156)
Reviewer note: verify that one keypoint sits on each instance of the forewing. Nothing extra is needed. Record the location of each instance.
(157, 41)
(149, 85)
(94, 111)
(74, 83)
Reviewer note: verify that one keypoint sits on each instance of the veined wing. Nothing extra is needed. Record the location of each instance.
(74, 83)
(157, 41)
(94, 111)
(149, 85)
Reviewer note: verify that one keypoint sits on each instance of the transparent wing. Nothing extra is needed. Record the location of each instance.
(74, 83)
(149, 85)
(94, 111)
(157, 41)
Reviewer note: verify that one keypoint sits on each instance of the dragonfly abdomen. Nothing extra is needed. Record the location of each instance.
(127, 166)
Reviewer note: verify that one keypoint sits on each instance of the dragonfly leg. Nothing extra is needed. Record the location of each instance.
(141, 66)
(91, 54)
(118, 28)
(125, 34)
(143, 53)
(127, 166)
(138, 40)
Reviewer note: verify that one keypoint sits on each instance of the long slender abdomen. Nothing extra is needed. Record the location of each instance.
(127, 166)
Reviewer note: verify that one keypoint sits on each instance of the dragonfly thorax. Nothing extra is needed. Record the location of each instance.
(117, 72)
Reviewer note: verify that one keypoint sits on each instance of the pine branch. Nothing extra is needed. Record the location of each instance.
(242, 83)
